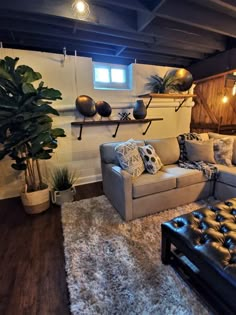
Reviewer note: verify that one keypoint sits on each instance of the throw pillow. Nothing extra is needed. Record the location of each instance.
(151, 160)
(223, 151)
(129, 158)
(200, 151)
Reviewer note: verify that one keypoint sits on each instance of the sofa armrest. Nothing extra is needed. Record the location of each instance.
(117, 186)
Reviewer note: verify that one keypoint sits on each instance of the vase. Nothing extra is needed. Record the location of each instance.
(140, 110)
(59, 197)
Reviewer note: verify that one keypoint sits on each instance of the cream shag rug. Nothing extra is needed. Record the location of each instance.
(115, 267)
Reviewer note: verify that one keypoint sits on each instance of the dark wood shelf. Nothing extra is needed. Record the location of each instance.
(113, 122)
(170, 95)
(183, 97)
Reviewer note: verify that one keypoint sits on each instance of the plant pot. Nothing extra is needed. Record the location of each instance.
(59, 197)
(36, 201)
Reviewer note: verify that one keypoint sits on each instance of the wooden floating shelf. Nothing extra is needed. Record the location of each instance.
(160, 95)
(167, 96)
(113, 122)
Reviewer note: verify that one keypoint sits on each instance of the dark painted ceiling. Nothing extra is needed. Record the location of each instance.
(164, 32)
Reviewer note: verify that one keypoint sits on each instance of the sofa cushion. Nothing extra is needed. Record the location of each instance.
(167, 149)
(223, 151)
(148, 184)
(151, 160)
(204, 136)
(200, 151)
(184, 177)
(108, 153)
(218, 136)
(227, 175)
(129, 158)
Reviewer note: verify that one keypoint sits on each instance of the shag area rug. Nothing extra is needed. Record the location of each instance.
(115, 267)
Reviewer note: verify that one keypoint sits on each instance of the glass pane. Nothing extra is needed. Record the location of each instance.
(118, 75)
(102, 75)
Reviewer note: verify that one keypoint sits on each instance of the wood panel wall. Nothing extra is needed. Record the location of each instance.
(209, 112)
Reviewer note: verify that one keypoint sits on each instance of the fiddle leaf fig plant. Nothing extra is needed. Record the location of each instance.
(26, 132)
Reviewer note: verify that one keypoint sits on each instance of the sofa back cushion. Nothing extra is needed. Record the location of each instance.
(219, 136)
(108, 153)
(167, 149)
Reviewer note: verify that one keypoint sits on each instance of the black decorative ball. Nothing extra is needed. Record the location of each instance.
(103, 108)
(85, 105)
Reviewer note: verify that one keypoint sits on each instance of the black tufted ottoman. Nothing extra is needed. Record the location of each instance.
(201, 245)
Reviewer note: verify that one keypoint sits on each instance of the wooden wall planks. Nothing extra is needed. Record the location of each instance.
(209, 112)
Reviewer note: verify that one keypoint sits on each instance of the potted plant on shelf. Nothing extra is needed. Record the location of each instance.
(26, 132)
(62, 185)
(175, 80)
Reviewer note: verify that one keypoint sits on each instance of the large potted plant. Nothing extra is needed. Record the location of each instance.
(26, 132)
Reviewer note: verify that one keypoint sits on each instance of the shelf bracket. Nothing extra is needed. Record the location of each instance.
(148, 126)
(180, 104)
(80, 132)
(149, 102)
(117, 127)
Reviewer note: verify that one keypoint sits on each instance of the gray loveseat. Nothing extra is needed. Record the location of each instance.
(170, 187)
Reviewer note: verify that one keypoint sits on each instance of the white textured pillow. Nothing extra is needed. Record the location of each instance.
(223, 151)
(129, 158)
(151, 160)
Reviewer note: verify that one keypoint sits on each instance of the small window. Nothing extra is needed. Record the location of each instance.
(109, 76)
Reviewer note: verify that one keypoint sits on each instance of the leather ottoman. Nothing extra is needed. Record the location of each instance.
(201, 245)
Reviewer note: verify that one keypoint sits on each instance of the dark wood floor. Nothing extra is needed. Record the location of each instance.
(32, 272)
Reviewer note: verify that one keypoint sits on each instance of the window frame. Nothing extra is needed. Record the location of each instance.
(111, 85)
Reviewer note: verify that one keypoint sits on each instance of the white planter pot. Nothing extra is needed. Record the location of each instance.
(36, 201)
(59, 197)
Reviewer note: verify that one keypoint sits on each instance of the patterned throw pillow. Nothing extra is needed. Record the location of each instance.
(151, 160)
(223, 151)
(129, 158)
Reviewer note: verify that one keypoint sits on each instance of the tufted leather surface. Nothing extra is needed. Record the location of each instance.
(210, 234)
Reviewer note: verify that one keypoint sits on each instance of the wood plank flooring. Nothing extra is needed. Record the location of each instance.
(32, 271)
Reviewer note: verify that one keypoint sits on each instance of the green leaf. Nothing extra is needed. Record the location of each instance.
(28, 88)
(50, 94)
(43, 155)
(19, 167)
(46, 109)
(58, 132)
(3, 153)
(28, 75)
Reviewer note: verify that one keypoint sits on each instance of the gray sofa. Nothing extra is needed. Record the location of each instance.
(170, 187)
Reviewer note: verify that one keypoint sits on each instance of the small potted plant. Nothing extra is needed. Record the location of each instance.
(62, 185)
(26, 132)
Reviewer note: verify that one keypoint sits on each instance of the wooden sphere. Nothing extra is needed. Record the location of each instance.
(103, 108)
(85, 105)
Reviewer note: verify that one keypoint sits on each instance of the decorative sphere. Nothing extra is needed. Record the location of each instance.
(185, 79)
(103, 108)
(182, 79)
(85, 105)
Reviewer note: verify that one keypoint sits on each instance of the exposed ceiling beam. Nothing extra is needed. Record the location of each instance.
(135, 5)
(98, 15)
(228, 6)
(195, 15)
(51, 31)
(185, 34)
(144, 19)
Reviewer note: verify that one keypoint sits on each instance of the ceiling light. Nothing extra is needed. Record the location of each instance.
(80, 9)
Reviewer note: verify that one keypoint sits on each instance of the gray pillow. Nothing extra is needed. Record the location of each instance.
(129, 158)
(151, 160)
(223, 151)
(200, 151)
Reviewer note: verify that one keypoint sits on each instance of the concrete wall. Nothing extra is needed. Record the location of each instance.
(73, 76)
